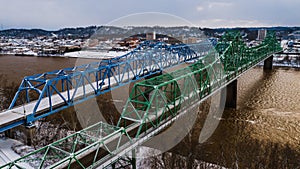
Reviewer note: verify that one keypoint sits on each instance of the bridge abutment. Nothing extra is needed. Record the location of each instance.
(231, 95)
(268, 63)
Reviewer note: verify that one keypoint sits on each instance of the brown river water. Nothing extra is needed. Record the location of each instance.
(263, 132)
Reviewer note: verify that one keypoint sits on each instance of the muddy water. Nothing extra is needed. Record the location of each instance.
(264, 132)
(16, 67)
(274, 107)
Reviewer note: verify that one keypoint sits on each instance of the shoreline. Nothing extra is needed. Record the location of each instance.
(275, 64)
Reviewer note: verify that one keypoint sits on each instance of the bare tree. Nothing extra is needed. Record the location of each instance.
(7, 91)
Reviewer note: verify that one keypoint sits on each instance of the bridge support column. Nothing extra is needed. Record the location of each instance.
(231, 95)
(9, 133)
(268, 63)
(133, 160)
(29, 132)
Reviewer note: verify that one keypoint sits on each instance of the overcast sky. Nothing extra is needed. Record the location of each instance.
(56, 14)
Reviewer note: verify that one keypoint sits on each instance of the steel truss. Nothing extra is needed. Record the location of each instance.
(68, 151)
(57, 90)
(159, 97)
(152, 103)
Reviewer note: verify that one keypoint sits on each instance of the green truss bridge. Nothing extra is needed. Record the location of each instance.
(153, 105)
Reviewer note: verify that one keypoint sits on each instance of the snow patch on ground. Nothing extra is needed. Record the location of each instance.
(7, 153)
(96, 54)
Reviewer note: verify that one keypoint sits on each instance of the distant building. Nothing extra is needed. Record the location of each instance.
(151, 36)
(190, 40)
(262, 33)
(295, 35)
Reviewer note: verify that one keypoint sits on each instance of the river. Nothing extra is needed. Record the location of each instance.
(263, 132)
(268, 118)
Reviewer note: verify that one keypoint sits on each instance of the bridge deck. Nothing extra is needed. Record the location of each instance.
(18, 115)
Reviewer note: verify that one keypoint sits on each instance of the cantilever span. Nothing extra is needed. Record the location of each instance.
(152, 106)
(44, 94)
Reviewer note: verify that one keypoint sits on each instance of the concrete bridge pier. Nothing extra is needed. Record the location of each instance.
(8, 133)
(231, 95)
(133, 159)
(29, 133)
(268, 63)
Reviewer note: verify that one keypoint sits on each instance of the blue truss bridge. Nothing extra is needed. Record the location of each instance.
(153, 104)
(47, 93)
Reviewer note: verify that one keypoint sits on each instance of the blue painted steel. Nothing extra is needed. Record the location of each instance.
(147, 59)
(12, 125)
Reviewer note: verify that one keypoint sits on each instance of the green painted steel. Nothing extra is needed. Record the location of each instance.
(68, 151)
(155, 100)
(151, 103)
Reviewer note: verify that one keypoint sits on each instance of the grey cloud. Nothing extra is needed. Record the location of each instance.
(54, 14)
